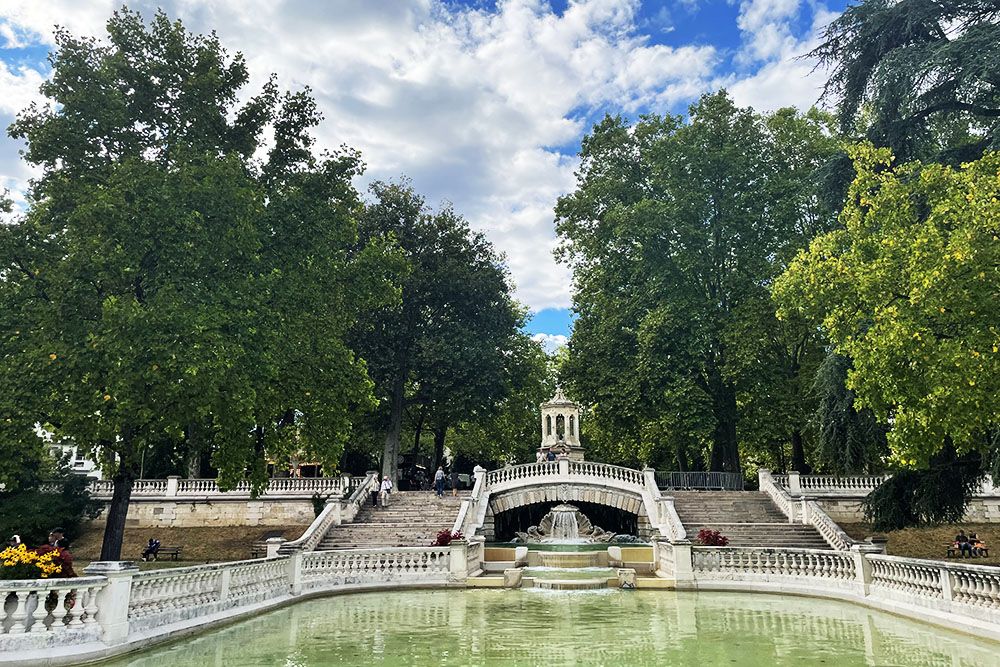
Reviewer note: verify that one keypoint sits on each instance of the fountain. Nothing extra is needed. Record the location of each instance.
(565, 524)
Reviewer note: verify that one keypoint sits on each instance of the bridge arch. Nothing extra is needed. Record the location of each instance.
(548, 494)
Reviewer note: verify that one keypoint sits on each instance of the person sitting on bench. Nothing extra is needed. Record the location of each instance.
(151, 549)
(963, 545)
(978, 548)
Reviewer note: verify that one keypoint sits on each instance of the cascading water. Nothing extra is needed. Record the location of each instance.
(564, 524)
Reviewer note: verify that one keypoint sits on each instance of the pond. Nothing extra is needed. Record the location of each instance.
(610, 627)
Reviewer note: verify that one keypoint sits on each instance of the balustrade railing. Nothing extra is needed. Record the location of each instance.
(907, 575)
(827, 527)
(606, 471)
(356, 566)
(757, 562)
(522, 472)
(49, 607)
(334, 513)
(276, 487)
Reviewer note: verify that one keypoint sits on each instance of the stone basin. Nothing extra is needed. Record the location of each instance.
(569, 558)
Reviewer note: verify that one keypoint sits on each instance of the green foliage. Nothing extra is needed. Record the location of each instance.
(32, 513)
(444, 349)
(850, 440)
(167, 287)
(917, 77)
(937, 494)
(510, 434)
(674, 233)
(908, 289)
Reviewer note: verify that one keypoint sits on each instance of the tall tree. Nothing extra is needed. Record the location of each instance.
(163, 278)
(445, 345)
(919, 77)
(908, 288)
(674, 234)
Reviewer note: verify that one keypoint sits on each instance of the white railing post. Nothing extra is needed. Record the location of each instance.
(225, 583)
(804, 509)
(458, 564)
(650, 476)
(683, 567)
(274, 545)
(947, 591)
(295, 573)
(794, 483)
(564, 466)
(113, 598)
(172, 481)
(863, 566)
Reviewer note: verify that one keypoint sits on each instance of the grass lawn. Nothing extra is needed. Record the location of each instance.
(931, 542)
(201, 545)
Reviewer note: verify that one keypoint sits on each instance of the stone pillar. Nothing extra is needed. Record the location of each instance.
(172, 485)
(794, 483)
(763, 476)
(113, 599)
(947, 592)
(863, 566)
(563, 466)
(458, 566)
(803, 502)
(225, 582)
(273, 545)
(295, 573)
(683, 567)
(512, 577)
(650, 476)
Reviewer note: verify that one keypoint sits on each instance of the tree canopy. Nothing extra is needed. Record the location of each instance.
(674, 233)
(908, 288)
(175, 279)
(919, 77)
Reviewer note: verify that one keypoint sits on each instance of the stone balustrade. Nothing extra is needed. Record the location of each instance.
(335, 512)
(50, 611)
(951, 594)
(63, 621)
(807, 511)
(175, 487)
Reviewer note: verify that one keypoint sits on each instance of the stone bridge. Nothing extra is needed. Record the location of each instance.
(625, 489)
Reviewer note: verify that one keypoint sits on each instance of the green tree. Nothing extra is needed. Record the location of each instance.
(918, 77)
(510, 432)
(908, 288)
(674, 233)
(444, 347)
(165, 285)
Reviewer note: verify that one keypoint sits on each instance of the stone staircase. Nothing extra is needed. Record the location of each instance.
(412, 519)
(747, 518)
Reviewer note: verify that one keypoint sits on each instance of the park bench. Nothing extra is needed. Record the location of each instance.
(954, 552)
(173, 552)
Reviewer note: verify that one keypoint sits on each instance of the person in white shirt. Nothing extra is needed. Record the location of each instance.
(384, 490)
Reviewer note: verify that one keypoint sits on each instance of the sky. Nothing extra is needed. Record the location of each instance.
(481, 104)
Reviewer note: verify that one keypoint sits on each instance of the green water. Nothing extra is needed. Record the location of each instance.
(506, 627)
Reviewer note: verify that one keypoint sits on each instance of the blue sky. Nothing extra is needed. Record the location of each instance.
(481, 103)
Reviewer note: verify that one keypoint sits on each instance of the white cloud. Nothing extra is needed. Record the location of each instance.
(467, 102)
(464, 101)
(551, 342)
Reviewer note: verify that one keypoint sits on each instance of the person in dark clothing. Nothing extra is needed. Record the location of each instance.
(439, 482)
(151, 549)
(963, 544)
(551, 456)
(454, 482)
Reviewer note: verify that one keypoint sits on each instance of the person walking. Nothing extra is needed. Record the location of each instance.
(455, 481)
(439, 482)
(384, 490)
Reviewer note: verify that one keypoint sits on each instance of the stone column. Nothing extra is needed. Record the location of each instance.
(794, 483)
(650, 476)
(863, 566)
(273, 545)
(683, 567)
(458, 566)
(295, 573)
(803, 502)
(563, 466)
(113, 598)
(172, 485)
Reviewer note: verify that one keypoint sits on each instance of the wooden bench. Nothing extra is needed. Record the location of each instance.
(954, 552)
(173, 552)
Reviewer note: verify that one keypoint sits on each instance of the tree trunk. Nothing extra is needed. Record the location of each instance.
(418, 431)
(114, 529)
(725, 447)
(193, 451)
(798, 453)
(440, 433)
(390, 454)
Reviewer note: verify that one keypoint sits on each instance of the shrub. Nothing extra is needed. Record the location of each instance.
(31, 513)
(445, 537)
(712, 538)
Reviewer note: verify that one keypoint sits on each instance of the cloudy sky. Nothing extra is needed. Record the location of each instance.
(480, 103)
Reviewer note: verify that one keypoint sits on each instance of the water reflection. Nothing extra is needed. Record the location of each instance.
(496, 627)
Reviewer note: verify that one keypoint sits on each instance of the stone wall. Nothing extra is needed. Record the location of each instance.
(848, 509)
(193, 513)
